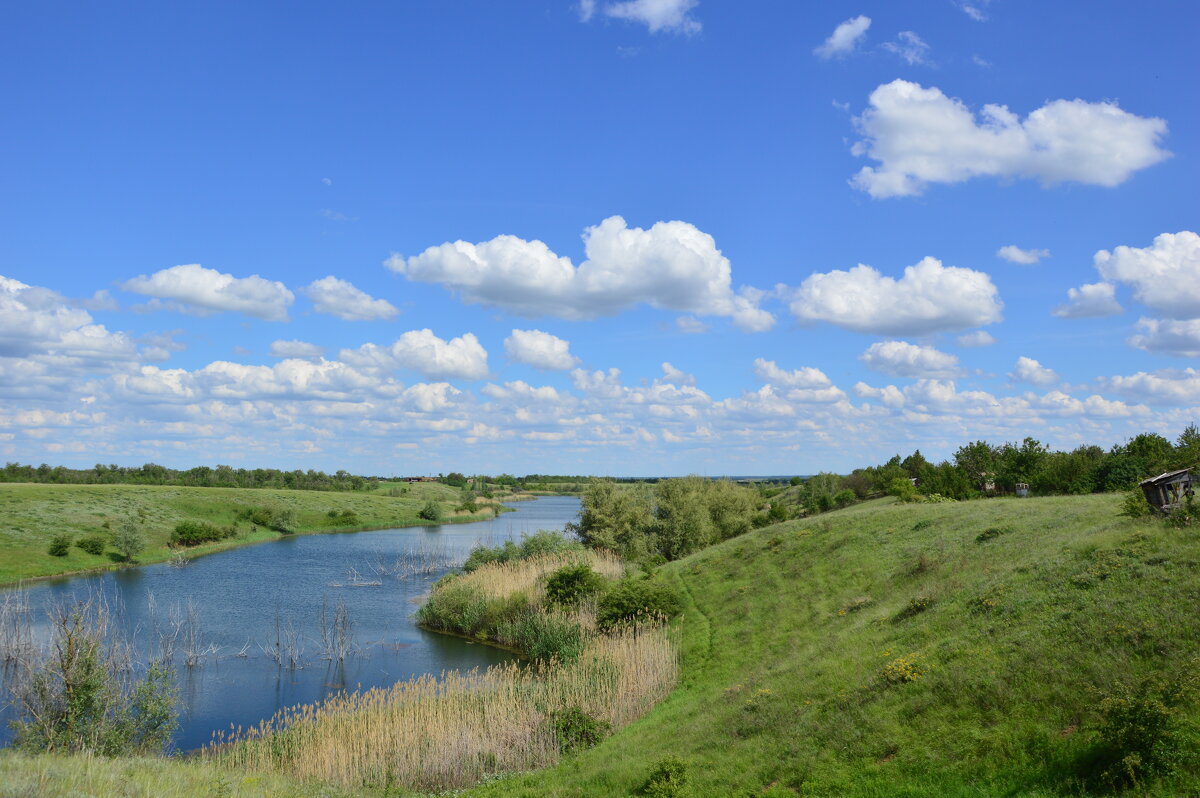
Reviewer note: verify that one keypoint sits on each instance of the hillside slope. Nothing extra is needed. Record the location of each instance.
(906, 650)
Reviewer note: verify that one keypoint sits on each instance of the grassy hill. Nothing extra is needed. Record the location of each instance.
(900, 650)
(906, 650)
(31, 514)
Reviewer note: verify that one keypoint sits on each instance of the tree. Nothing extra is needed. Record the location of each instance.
(978, 460)
(129, 540)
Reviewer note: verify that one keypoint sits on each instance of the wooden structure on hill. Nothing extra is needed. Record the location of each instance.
(1169, 491)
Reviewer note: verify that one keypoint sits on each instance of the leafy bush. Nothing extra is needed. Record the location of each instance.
(668, 779)
(543, 636)
(575, 729)
(92, 544)
(430, 512)
(60, 545)
(129, 540)
(193, 533)
(637, 599)
(1135, 504)
(279, 520)
(572, 584)
(914, 606)
(543, 542)
(903, 489)
(844, 498)
(468, 506)
(1143, 729)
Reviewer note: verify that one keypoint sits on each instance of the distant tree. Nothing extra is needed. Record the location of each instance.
(432, 511)
(129, 540)
(978, 461)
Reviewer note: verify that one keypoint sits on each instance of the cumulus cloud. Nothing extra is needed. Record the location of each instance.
(1180, 338)
(920, 136)
(1026, 257)
(1164, 276)
(670, 16)
(1167, 386)
(690, 325)
(845, 38)
(36, 321)
(349, 303)
(540, 350)
(674, 376)
(909, 47)
(902, 359)
(1029, 370)
(196, 289)
(1092, 300)
(976, 339)
(929, 298)
(422, 351)
(806, 377)
(672, 265)
(296, 349)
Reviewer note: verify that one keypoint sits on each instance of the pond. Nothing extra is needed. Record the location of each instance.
(250, 619)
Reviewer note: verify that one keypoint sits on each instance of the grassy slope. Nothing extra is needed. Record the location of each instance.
(30, 514)
(780, 690)
(781, 681)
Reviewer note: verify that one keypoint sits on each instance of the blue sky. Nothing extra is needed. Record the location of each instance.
(420, 237)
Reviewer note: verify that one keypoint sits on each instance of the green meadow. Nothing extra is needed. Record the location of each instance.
(32, 514)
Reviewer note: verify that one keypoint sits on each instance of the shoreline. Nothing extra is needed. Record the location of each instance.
(251, 539)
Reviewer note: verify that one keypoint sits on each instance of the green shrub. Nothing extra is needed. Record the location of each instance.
(575, 729)
(914, 606)
(572, 584)
(543, 636)
(668, 779)
(633, 599)
(1143, 728)
(430, 512)
(129, 540)
(903, 489)
(1135, 504)
(60, 545)
(193, 533)
(92, 544)
(992, 533)
(844, 498)
(544, 542)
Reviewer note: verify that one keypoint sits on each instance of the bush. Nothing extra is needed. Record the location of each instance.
(575, 729)
(903, 489)
(572, 584)
(543, 636)
(844, 498)
(430, 512)
(543, 542)
(193, 533)
(92, 544)
(668, 779)
(1143, 729)
(1135, 504)
(634, 600)
(992, 533)
(129, 540)
(60, 545)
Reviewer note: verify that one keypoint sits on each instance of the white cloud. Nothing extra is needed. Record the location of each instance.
(36, 321)
(920, 136)
(101, 300)
(929, 298)
(975, 10)
(806, 377)
(349, 303)
(587, 10)
(909, 47)
(671, 16)
(203, 291)
(540, 350)
(1181, 338)
(1087, 301)
(1164, 276)
(673, 376)
(425, 353)
(690, 325)
(845, 37)
(1026, 257)
(672, 265)
(902, 359)
(1168, 386)
(1029, 370)
(980, 61)
(976, 339)
(296, 349)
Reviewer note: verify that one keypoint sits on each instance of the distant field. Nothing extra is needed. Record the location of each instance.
(31, 514)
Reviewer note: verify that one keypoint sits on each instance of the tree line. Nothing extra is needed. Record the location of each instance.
(222, 476)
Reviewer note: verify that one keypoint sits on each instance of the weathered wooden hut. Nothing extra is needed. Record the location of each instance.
(1168, 491)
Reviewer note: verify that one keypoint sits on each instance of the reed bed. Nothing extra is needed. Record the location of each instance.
(433, 734)
(499, 580)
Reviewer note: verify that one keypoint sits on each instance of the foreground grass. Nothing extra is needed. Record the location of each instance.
(31, 514)
(884, 651)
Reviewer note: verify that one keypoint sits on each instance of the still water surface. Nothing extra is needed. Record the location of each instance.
(241, 601)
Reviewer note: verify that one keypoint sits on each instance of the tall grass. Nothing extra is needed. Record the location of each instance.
(500, 580)
(429, 733)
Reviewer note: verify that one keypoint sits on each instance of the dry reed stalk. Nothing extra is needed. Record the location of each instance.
(445, 733)
(498, 580)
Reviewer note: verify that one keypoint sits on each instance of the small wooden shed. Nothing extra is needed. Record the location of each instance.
(1168, 491)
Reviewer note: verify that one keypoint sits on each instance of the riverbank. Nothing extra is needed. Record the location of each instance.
(32, 514)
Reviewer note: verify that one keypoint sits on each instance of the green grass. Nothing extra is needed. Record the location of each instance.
(886, 650)
(31, 514)
(793, 632)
